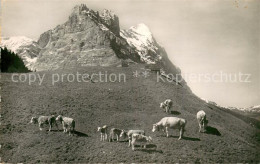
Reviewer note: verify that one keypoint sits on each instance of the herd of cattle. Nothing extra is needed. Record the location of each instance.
(134, 136)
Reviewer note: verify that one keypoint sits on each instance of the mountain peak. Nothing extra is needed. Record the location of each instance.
(79, 8)
(109, 19)
(81, 15)
(107, 14)
(141, 38)
(92, 38)
(142, 29)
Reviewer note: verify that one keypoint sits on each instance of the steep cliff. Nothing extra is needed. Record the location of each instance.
(90, 38)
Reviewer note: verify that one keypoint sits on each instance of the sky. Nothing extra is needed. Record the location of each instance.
(214, 38)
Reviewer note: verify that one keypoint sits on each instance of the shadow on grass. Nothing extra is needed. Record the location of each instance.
(175, 113)
(191, 138)
(151, 151)
(77, 133)
(186, 138)
(150, 148)
(60, 130)
(80, 134)
(212, 130)
(114, 140)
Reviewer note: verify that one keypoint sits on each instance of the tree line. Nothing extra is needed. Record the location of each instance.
(11, 62)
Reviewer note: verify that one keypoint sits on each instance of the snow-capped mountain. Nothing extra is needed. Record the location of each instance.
(90, 38)
(16, 42)
(252, 109)
(25, 47)
(141, 38)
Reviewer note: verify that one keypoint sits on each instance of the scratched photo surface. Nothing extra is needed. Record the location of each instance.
(130, 81)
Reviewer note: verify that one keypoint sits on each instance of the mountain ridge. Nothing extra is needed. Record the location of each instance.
(90, 38)
(251, 109)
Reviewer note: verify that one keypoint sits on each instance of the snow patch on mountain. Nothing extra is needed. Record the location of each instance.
(144, 33)
(14, 43)
(255, 109)
(142, 39)
(25, 47)
(30, 61)
(252, 109)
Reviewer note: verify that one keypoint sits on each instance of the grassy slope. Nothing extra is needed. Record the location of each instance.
(130, 105)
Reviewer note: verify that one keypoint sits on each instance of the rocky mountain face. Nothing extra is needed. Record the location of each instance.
(90, 38)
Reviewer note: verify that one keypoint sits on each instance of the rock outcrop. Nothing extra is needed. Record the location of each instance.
(88, 38)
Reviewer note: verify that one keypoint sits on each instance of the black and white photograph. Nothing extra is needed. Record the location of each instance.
(130, 81)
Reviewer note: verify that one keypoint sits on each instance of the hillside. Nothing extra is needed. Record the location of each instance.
(133, 104)
(92, 42)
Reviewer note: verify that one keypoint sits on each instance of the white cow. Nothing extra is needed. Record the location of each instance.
(166, 105)
(67, 124)
(103, 132)
(130, 133)
(202, 120)
(167, 123)
(139, 138)
(114, 132)
(50, 120)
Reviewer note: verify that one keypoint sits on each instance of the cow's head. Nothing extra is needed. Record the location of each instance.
(161, 105)
(155, 128)
(102, 129)
(34, 120)
(123, 134)
(59, 118)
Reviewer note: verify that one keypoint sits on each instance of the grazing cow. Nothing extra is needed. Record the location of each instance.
(113, 132)
(166, 105)
(130, 133)
(167, 123)
(103, 131)
(201, 117)
(67, 124)
(50, 120)
(139, 138)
